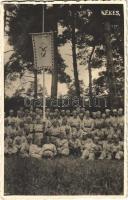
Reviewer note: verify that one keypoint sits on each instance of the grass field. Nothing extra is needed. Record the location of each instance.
(63, 176)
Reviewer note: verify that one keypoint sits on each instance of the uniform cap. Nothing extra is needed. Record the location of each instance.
(107, 110)
(67, 111)
(6, 120)
(120, 109)
(37, 117)
(11, 111)
(28, 118)
(96, 138)
(27, 110)
(18, 111)
(29, 137)
(103, 115)
(13, 121)
(94, 113)
(82, 109)
(87, 112)
(74, 112)
(62, 112)
(98, 113)
(109, 137)
(89, 140)
(10, 141)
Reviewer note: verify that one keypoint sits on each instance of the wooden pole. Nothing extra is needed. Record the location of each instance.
(44, 100)
(35, 83)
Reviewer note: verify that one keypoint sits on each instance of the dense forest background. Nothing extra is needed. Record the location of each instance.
(96, 40)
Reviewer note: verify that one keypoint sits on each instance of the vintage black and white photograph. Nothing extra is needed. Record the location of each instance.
(64, 86)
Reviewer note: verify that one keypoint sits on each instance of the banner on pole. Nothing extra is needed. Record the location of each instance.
(43, 48)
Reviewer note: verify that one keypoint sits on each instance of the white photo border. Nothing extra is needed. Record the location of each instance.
(80, 197)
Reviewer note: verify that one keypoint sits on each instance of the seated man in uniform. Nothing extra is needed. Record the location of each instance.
(101, 133)
(11, 117)
(103, 118)
(82, 110)
(117, 149)
(82, 130)
(22, 128)
(106, 149)
(48, 150)
(38, 131)
(111, 132)
(98, 125)
(29, 125)
(51, 117)
(88, 122)
(114, 119)
(78, 110)
(40, 113)
(58, 117)
(24, 150)
(54, 131)
(55, 114)
(12, 129)
(75, 120)
(19, 140)
(63, 128)
(68, 113)
(47, 113)
(22, 111)
(62, 113)
(108, 118)
(26, 113)
(62, 145)
(89, 150)
(6, 127)
(81, 116)
(74, 144)
(94, 129)
(68, 117)
(33, 116)
(10, 149)
(18, 118)
(37, 110)
(98, 147)
(34, 150)
(120, 125)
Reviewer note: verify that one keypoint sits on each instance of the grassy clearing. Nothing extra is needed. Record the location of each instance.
(63, 176)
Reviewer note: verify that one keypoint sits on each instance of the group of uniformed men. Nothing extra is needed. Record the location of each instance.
(81, 133)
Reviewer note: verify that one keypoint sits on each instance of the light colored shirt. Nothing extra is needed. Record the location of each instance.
(34, 149)
(48, 148)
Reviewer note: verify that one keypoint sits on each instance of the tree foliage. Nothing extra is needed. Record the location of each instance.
(84, 26)
(21, 24)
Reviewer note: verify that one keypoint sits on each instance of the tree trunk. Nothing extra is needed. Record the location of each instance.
(54, 85)
(5, 16)
(73, 39)
(110, 67)
(90, 75)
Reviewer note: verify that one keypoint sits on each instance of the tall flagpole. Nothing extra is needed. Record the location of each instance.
(44, 100)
